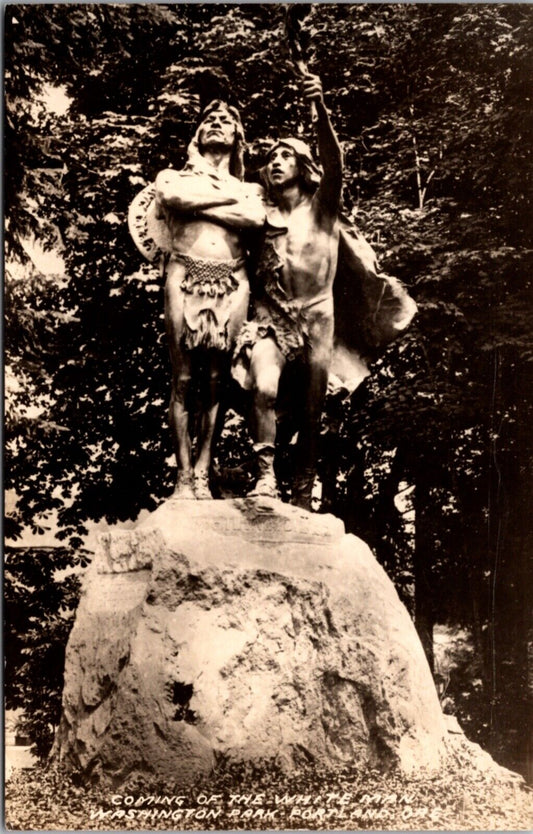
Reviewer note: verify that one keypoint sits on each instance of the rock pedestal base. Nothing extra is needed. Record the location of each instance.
(242, 629)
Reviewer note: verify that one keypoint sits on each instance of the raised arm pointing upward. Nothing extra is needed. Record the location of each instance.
(329, 192)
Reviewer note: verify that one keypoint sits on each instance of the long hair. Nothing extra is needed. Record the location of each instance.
(310, 172)
(236, 164)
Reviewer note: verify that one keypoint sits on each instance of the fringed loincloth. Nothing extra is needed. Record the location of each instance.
(287, 321)
(208, 287)
(275, 314)
(288, 331)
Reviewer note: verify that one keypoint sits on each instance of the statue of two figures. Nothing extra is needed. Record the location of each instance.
(319, 304)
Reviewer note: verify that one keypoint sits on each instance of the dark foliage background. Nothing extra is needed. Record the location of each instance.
(42, 595)
(432, 105)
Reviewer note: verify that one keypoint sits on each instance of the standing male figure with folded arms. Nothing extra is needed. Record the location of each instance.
(206, 208)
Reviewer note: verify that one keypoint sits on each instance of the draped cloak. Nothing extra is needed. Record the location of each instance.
(372, 309)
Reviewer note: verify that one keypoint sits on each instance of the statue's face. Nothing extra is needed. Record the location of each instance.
(282, 168)
(218, 129)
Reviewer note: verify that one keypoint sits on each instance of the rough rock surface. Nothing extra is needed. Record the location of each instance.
(242, 629)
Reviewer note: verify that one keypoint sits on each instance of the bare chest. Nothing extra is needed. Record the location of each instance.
(203, 239)
(308, 253)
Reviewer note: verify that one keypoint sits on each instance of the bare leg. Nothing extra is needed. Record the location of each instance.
(319, 360)
(179, 426)
(309, 436)
(203, 461)
(213, 372)
(180, 390)
(266, 365)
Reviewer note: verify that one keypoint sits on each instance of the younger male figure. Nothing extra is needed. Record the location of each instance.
(294, 317)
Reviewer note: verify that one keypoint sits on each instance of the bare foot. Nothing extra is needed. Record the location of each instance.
(184, 487)
(201, 486)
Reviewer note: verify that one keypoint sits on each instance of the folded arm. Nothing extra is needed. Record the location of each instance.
(189, 193)
(248, 212)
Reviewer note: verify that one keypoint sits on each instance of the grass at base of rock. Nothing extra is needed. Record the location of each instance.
(246, 797)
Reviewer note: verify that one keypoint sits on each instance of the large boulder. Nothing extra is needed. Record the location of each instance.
(242, 629)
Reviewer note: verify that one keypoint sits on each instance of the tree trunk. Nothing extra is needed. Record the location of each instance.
(422, 565)
(510, 570)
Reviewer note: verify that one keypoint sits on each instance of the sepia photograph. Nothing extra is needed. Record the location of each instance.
(268, 391)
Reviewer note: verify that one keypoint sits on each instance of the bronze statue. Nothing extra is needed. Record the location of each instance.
(199, 214)
(321, 306)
